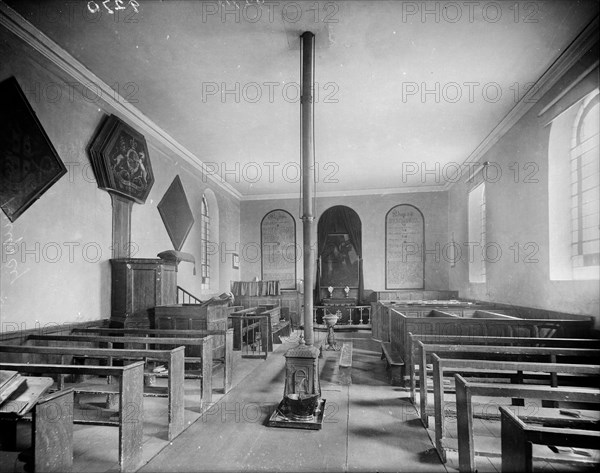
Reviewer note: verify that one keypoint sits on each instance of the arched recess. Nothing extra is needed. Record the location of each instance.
(404, 248)
(213, 246)
(339, 248)
(278, 248)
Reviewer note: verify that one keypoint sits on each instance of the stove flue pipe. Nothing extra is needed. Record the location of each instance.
(308, 178)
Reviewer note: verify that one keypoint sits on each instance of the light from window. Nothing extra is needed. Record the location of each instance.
(574, 202)
(205, 235)
(477, 235)
(585, 198)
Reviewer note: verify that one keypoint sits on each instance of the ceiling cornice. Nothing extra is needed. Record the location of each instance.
(350, 193)
(573, 53)
(32, 36)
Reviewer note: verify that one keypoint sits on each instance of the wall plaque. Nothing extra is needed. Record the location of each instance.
(176, 213)
(278, 243)
(404, 245)
(29, 164)
(121, 162)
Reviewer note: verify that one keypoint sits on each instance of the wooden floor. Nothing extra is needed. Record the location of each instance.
(368, 426)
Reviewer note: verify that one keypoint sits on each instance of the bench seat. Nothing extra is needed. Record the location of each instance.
(345, 365)
(395, 363)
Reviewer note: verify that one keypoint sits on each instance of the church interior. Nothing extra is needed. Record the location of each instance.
(258, 235)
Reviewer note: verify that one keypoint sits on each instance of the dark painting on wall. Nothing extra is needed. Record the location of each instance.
(339, 262)
(121, 162)
(29, 164)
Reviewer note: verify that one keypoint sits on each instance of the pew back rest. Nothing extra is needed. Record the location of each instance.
(274, 313)
(441, 313)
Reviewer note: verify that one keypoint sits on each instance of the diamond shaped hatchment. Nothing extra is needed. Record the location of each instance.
(176, 213)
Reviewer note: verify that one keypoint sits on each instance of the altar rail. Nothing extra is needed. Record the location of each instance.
(351, 314)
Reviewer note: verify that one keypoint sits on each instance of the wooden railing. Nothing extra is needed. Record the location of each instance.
(351, 314)
(184, 297)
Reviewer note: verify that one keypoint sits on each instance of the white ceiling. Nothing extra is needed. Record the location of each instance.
(370, 54)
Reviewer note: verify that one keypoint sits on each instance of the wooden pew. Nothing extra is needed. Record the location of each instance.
(462, 365)
(401, 326)
(236, 318)
(130, 390)
(464, 407)
(279, 328)
(228, 351)
(395, 360)
(425, 350)
(517, 438)
(173, 358)
(418, 353)
(205, 343)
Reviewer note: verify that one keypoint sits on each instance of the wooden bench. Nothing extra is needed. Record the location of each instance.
(205, 343)
(440, 365)
(394, 363)
(174, 333)
(278, 327)
(173, 358)
(418, 353)
(517, 438)
(487, 352)
(345, 364)
(401, 326)
(464, 408)
(130, 391)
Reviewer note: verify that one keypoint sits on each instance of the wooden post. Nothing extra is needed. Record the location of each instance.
(438, 405)
(207, 365)
(228, 372)
(423, 384)
(516, 451)
(52, 433)
(176, 392)
(308, 171)
(131, 425)
(464, 424)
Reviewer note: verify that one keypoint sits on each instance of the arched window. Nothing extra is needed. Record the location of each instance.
(205, 234)
(574, 206)
(585, 175)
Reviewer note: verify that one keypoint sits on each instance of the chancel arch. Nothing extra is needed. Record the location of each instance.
(340, 265)
(404, 248)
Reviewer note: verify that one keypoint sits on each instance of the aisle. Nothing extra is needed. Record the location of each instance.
(368, 426)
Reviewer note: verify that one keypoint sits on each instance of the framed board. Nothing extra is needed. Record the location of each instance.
(339, 262)
(278, 245)
(404, 248)
(29, 164)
